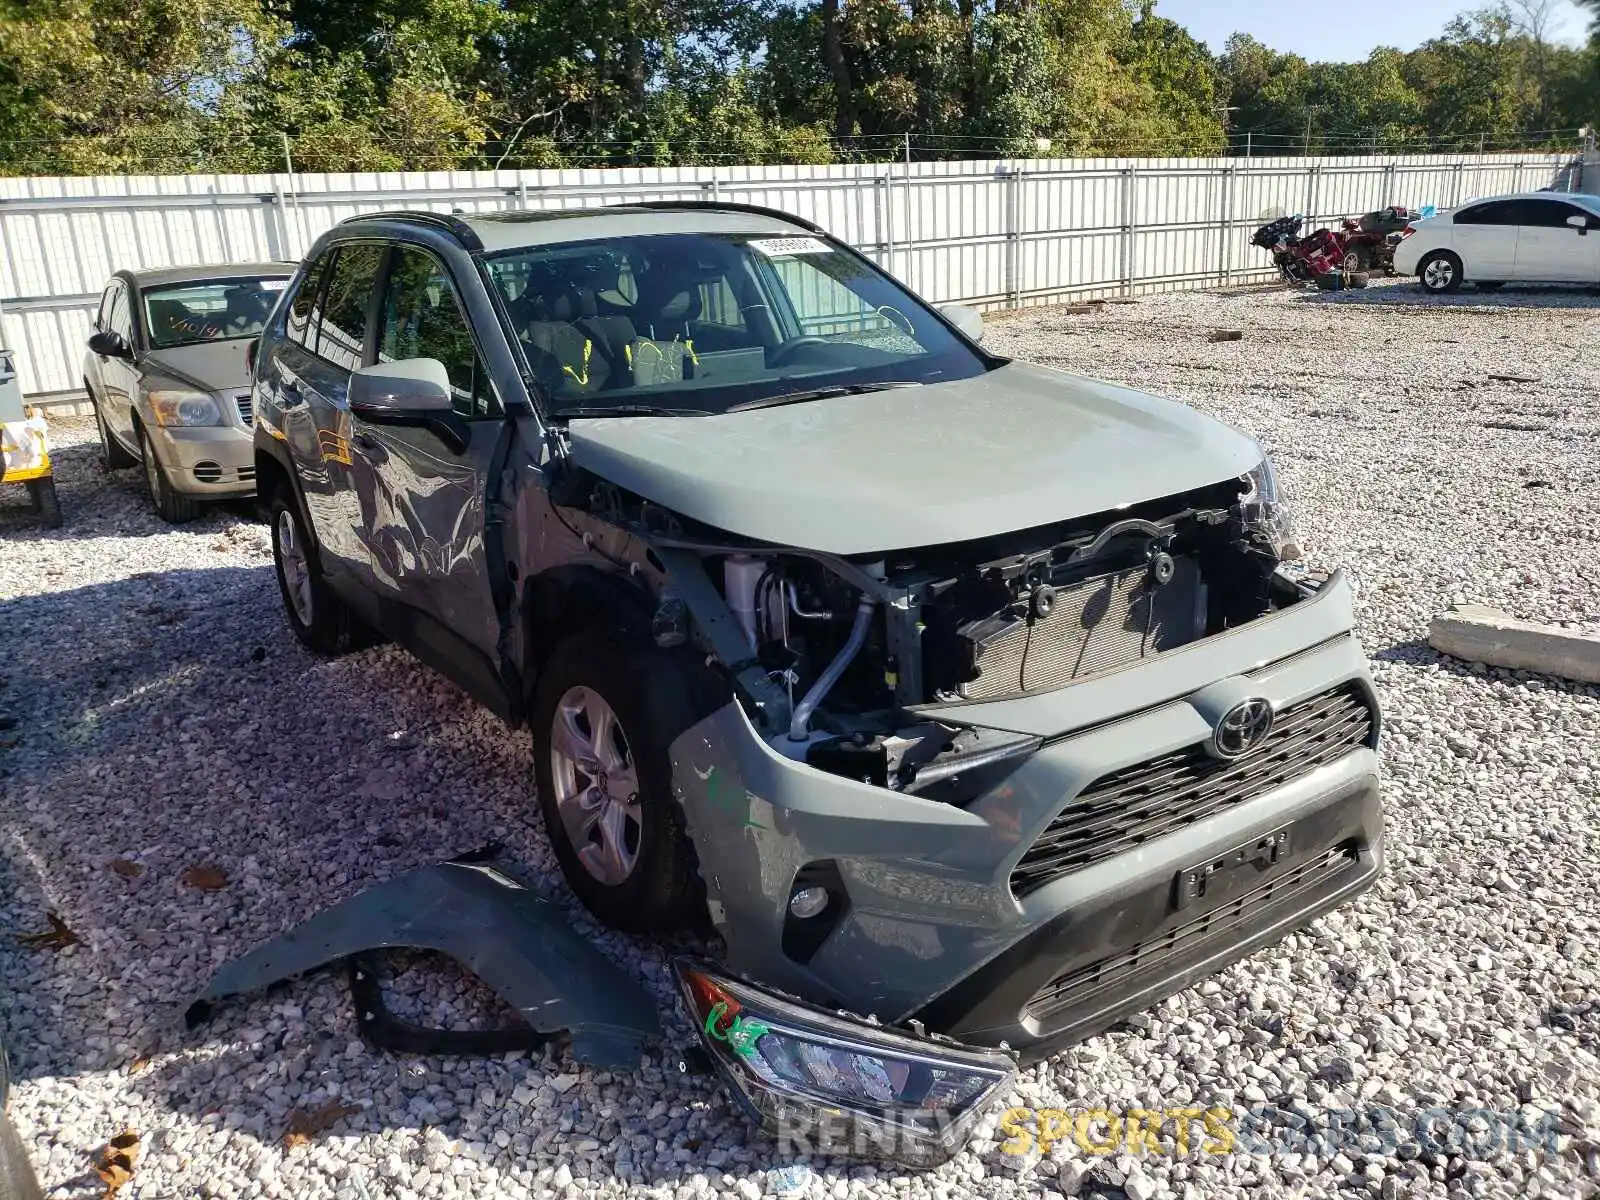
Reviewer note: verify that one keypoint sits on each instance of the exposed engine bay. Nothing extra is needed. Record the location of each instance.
(847, 650)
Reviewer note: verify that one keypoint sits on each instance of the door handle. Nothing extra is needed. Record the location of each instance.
(370, 447)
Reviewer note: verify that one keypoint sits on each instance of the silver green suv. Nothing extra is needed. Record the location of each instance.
(963, 706)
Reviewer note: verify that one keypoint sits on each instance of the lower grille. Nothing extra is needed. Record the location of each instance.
(247, 411)
(1191, 940)
(1119, 811)
(208, 472)
(1094, 625)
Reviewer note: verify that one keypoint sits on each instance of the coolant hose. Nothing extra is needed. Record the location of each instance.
(798, 724)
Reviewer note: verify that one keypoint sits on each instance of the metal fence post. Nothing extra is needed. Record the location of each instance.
(1311, 192)
(1225, 228)
(1388, 185)
(1455, 184)
(883, 214)
(522, 194)
(1128, 174)
(1014, 236)
(283, 252)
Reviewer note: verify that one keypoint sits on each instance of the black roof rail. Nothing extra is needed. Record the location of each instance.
(449, 222)
(723, 206)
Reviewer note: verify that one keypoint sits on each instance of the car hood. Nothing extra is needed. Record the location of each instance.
(1016, 447)
(211, 366)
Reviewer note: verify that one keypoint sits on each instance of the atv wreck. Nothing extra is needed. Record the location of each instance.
(967, 706)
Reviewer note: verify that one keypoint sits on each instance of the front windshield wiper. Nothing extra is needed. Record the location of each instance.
(821, 393)
(630, 410)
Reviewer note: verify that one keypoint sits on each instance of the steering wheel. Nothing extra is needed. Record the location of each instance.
(786, 350)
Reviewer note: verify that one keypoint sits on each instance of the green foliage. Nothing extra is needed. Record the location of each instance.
(143, 86)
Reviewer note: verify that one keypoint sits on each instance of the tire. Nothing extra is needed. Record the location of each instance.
(112, 455)
(45, 501)
(652, 885)
(1439, 272)
(1330, 281)
(1489, 285)
(318, 617)
(1357, 258)
(172, 507)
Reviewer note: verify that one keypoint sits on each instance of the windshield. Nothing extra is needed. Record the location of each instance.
(209, 310)
(702, 323)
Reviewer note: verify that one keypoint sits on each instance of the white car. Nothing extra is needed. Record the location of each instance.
(1538, 237)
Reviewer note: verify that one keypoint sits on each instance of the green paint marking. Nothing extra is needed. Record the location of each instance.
(726, 799)
(742, 1034)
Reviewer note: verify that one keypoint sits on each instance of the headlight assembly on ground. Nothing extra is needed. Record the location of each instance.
(174, 407)
(818, 1081)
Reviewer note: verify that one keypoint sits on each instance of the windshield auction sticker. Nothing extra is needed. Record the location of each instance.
(784, 247)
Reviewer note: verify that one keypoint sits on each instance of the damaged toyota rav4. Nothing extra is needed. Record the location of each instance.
(966, 706)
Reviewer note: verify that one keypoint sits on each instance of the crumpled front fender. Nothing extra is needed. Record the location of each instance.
(520, 944)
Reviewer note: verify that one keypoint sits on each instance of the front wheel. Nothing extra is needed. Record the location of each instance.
(1356, 258)
(603, 717)
(319, 618)
(1440, 272)
(172, 507)
(112, 456)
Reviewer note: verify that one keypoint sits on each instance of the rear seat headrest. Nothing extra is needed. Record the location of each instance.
(682, 306)
(574, 304)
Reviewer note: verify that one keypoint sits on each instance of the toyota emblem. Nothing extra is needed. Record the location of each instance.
(1242, 728)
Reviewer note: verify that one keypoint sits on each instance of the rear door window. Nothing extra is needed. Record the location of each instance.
(119, 321)
(303, 310)
(346, 302)
(1496, 212)
(102, 319)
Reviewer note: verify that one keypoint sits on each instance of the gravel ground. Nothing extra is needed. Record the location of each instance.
(165, 719)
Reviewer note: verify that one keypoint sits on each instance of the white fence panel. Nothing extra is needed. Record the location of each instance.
(994, 233)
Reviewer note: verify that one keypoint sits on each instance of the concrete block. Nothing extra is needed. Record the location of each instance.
(1476, 633)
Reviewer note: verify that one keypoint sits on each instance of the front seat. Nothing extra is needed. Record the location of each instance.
(562, 355)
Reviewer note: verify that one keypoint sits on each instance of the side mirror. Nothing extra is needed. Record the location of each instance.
(968, 320)
(108, 343)
(1580, 223)
(411, 391)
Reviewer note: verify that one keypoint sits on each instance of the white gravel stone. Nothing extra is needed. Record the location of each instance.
(147, 731)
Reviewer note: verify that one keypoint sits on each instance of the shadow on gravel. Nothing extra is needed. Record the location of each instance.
(1418, 653)
(96, 502)
(1410, 295)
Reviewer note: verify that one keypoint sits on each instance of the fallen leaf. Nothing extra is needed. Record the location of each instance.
(138, 1065)
(305, 1124)
(114, 1161)
(127, 868)
(57, 937)
(208, 877)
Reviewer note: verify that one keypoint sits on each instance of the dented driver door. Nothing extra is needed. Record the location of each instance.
(422, 502)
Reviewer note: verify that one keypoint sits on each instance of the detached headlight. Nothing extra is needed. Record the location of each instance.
(1264, 511)
(183, 408)
(817, 1081)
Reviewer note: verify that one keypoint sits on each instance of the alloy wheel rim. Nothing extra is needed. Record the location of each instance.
(296, 570)
(1439, 273)
(596, 783)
